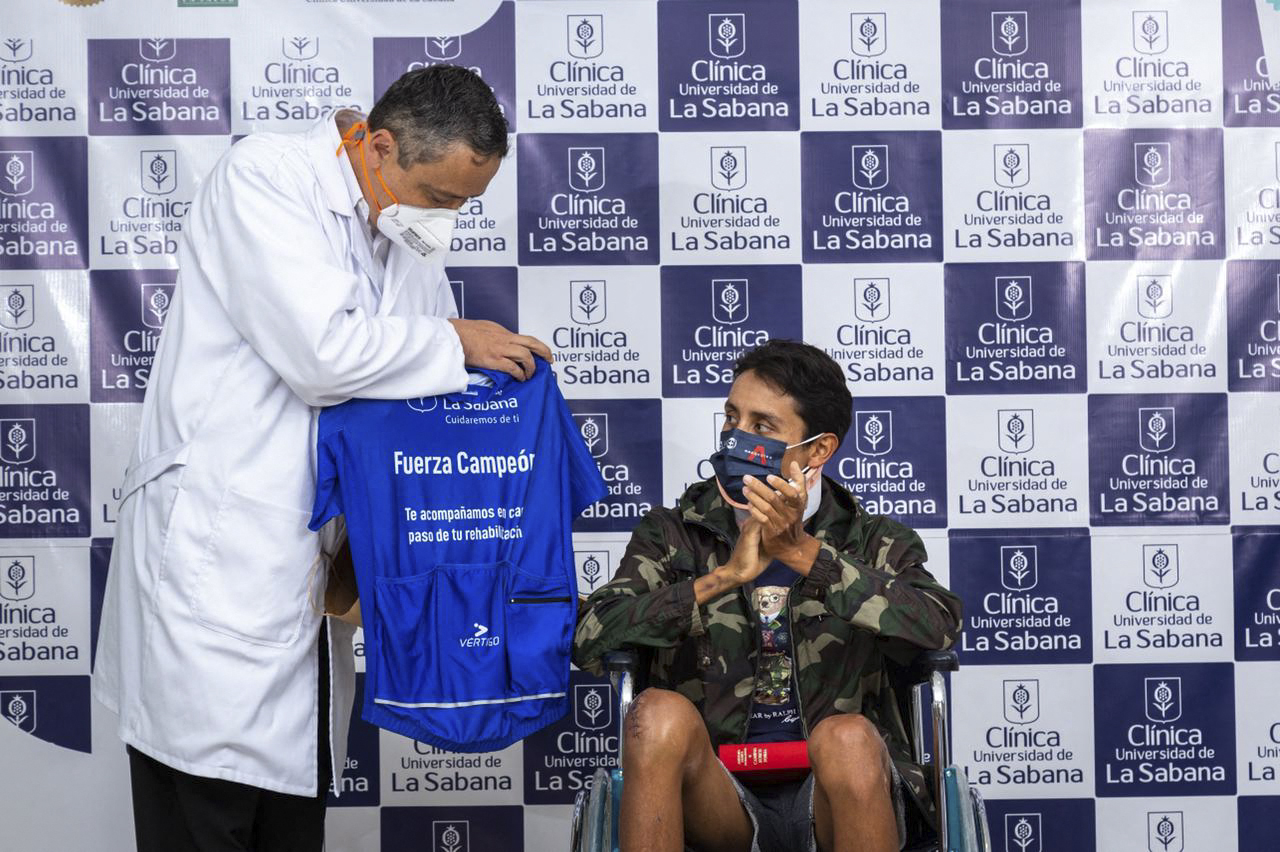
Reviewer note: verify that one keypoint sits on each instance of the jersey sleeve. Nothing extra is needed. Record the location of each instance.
(586, 486)
(328, 502)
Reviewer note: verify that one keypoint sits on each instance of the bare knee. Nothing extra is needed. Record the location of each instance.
(847, 751)
(661, 726)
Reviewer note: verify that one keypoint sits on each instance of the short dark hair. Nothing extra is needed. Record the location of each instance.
(430, 109)
(810, 377)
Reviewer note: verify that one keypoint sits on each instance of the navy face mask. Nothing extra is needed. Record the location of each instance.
(743, 454)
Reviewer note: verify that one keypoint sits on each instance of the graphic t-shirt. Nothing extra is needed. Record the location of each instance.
(458, 511)
(774, 714)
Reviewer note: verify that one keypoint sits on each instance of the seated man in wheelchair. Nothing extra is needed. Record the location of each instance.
(770, 605)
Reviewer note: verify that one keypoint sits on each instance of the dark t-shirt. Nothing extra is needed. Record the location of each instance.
(775, 716)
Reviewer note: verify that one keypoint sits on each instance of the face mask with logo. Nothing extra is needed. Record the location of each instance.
(743, 454)
(425, 232)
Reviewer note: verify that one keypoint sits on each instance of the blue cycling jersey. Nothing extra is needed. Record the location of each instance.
(458, 511)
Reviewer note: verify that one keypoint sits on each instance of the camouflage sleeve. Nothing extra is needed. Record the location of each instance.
(648, 602)
(884, 588)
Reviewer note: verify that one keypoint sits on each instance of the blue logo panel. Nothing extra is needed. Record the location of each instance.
(54, 709)
(1255, 555)
(453, 829)
(560, 758)
(1003, 68)
(1257, 821)
(871, 197)
(488, 50)
(127, 312)
(99, 561)
(588, 199)
(728, 66)
(1015, 328)
(625, 439)
(1165, 730)
(712, 315)
(1027, 595)
(44, 208)
(44, 471)
(1253, 325)
(159, 86)
(1041, 825)
(894, 458)
(486, 293)
(1158, 459)
(1248, 99)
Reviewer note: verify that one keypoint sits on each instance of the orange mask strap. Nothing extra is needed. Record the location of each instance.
(357, 133)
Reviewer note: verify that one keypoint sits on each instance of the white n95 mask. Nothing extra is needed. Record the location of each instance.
(425, 232)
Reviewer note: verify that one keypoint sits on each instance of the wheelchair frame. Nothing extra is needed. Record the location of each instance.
(957, 801)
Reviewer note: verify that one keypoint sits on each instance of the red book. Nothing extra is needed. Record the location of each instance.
(785, 761)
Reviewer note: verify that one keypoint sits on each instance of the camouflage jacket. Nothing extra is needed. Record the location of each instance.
(867, 598)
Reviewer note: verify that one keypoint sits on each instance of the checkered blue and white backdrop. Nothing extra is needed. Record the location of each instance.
(1042, 238)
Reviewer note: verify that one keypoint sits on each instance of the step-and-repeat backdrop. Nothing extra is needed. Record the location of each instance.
(1042, 238)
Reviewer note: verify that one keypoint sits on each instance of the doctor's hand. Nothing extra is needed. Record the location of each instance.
(489, 345)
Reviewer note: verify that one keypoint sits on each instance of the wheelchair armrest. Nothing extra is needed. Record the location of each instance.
(928, 662)
(619, 661)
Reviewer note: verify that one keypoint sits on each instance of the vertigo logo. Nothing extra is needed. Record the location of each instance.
(586, 169)
(867, 33)
(1012, 165)
(451, 836)
(300, 48)
(18, 440)
(1163, 698)
(1009, 33)
(592, 707)
(1021, 701)
(17, 577)
(728, 167)
(592, 568)
(18, 177)
(156, 299)
(727, 35)
(1156, 429)
(730, 300)
(1151, 32)
(594, 430)
(1016, 432)
(157, 49)
(874, 432)
(1022, 833)
(442, 48)
(15, 50)
(1160, 565)
(1151, 163)
(871, 299)
(1013, 297)
(1019, 567)
(870, 166)
(585, 35)
(1155, 295)
(158, 171)
(18, 707)
(1164, 831)
(17, 310)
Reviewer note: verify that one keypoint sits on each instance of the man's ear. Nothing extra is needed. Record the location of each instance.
(380, 147)
(824, 447)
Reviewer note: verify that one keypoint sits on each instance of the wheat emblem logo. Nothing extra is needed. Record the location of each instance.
(871, 299)
(586, 169)
(1012, 165)
(1151, 32)
(870, 166)
(1022, 833)
(19, 708)
(729, 300)
(1164, 698)
(594, 430)
(1021, 701)
(15, 49)
(1156, 432)
(1151, 163)
(156, 299)
(592, 709)
(729, 167)
(18, 578)
(727, 35)
(586, 36)
(157, 49)
(874, 432)
(1016, 429)
(591, 566)
(587, 302)
(1009, 33)
(443, 48)
(158, 171)
(17, 440)
(1160, 565)
(867, 33)
(1013, 297)
(16, 307)
(300, 48)
(451, 836)
(1019, 567)
(1164, 831)
(18, 178)
(1155, 296)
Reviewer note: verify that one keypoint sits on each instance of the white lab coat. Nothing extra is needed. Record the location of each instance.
(208, 646)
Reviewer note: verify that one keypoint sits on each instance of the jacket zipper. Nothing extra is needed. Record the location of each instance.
(564, 599)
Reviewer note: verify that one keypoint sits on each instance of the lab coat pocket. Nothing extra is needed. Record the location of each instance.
(443, 636)
(251, 582)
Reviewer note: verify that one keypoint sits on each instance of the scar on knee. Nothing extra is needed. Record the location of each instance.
(634, 714)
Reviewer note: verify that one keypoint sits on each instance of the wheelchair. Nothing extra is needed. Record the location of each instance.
(961, 814)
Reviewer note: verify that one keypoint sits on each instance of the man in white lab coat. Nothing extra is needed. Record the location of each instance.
(311, 271)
